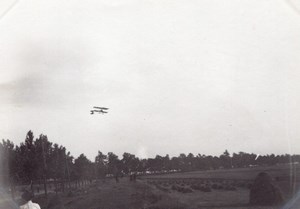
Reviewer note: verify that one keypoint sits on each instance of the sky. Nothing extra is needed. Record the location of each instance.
(197, 76)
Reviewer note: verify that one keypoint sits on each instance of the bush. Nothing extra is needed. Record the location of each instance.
(196, 186)
(205, 189)
(214, 186)
(264, 192)
(230, 188)
(186, 190)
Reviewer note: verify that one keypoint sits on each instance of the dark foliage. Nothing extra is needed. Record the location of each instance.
(264, 192)
(39, 160)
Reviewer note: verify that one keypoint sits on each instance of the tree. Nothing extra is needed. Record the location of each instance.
(101, 165)
(30, 162)
(226, 160)
(129, 163)
(7, 161)
(43, 152)
(83, 167)
(175, 163)
(183, 165)
(113, 163)
(167, 163)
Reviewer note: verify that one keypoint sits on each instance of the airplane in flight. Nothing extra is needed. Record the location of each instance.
(101, 110)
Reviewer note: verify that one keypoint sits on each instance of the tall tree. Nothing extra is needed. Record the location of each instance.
(113, 163)
(226, 159)
(83, 167)
(129, 163)
(30, 163)
(43, 153)
(101, 165)
(7, 161)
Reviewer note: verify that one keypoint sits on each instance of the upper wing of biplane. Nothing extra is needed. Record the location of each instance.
(102, 108)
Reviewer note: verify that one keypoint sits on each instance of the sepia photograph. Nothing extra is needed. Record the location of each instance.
(150, 104)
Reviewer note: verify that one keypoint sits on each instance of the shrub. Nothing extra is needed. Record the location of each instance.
(205, 189)
(264, 192)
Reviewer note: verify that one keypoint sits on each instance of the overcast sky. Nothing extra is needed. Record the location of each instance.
(179, 76)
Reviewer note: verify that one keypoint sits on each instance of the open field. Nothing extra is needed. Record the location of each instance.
(141, 195)
(281, 171)
(224, 189)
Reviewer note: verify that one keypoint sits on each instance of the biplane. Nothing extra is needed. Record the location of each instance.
(101, 110)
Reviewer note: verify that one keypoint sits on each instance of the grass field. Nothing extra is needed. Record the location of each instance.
(282, 171)
(224, 189)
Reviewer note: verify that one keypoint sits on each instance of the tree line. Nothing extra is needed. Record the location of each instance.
(40, 160)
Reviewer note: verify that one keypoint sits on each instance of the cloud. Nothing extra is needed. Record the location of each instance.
(47, 75)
